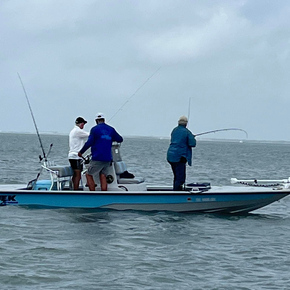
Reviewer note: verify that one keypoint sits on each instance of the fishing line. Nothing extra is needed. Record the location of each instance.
(212, 131)
(219, 130)
(37, 132)
(188, 115)
(134, 94)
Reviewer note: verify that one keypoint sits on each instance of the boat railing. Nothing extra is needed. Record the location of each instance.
(60, 176)
(278, 183)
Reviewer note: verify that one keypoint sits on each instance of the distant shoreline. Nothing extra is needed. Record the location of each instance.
(199, 139)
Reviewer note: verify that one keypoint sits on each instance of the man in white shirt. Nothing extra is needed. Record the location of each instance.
(77, 139)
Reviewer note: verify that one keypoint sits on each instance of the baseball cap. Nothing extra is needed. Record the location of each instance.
(182, 120)
(80, 120)
(100, 116)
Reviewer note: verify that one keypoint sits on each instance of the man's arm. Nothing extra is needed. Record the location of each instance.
(117, 137)
(87, 145)
(82, 134)
(191, 140)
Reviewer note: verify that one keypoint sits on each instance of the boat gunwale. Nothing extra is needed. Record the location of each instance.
(143, 193)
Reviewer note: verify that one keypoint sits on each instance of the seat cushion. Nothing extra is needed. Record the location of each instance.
(134, 180)
(120, 167)
(62, 171)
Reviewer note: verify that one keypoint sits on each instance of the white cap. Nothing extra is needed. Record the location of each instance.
(100, 116)
(182, 120)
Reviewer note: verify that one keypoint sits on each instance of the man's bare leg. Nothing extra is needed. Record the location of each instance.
(76, 179)
(91, 182)
(103, 180)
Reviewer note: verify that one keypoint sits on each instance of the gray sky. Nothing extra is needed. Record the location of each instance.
(77, 58)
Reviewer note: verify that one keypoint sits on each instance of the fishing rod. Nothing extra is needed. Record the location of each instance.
(49, 150)
(219, 130)
(188, 110)
(37, 132)
(133, 94)
(213, 131)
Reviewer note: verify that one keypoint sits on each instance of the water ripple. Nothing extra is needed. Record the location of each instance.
(95, 249)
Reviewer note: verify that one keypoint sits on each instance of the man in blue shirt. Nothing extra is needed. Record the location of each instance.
(179, 152)
(100, 141)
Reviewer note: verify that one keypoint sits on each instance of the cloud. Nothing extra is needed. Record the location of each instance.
(76, 58)
(190, 41)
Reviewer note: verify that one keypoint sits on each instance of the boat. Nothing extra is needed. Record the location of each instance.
(127, 192)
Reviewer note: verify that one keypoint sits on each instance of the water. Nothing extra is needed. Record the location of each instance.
(91, 249)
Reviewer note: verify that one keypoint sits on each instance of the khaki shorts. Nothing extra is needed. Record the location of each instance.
(98, 167)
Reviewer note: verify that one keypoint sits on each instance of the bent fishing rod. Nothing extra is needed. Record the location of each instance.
(213, 131)
(219, 130)
(34, 122)
(127, 101)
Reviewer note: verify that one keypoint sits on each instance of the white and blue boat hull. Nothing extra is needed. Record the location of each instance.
(217, 199)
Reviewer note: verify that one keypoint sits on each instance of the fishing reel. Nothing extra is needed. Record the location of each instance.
(87, 159)
(44, 156)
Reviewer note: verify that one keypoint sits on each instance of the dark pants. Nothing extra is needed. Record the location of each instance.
(179, 172)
